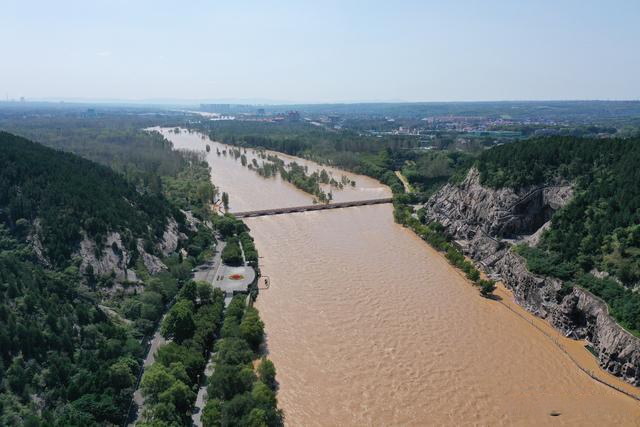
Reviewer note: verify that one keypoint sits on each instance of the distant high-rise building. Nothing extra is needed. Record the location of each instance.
(293, 116)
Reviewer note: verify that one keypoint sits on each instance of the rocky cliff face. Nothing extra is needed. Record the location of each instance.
(469, 207)
(171, 238)
(114, 257)
(483, 221)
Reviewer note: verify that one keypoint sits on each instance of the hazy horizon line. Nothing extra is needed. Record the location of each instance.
(274, 102)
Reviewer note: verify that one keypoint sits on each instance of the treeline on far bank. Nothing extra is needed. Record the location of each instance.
(113, 138)
(348, 150)
(378, 157)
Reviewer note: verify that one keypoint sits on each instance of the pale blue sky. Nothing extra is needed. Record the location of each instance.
(321, 51)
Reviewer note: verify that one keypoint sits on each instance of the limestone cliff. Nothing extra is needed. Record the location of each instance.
(484, 222)
(115, 258)
(112, 258)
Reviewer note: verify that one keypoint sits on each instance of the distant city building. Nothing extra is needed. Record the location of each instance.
(293, 116)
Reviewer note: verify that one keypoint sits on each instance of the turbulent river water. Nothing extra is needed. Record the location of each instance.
(367, 325)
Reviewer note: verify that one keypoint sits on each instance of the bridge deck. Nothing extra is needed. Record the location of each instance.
(318, 207)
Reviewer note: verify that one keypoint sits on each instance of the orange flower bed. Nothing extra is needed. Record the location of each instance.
(236, 277)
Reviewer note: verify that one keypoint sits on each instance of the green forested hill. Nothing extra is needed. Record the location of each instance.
(69, 194)
(599, 228)
(64, 359)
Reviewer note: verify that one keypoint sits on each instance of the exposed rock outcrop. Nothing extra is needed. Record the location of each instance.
(469, 207)
(35, 243)
(483, 221)
(112, 258)
(152, 263)
(171, 238)
(192, 221)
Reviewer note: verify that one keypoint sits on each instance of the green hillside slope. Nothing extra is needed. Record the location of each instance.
(69, 194)
(71, 346)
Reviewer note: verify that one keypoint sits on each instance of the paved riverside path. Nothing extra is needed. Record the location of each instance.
(202, 393)
(316, 207)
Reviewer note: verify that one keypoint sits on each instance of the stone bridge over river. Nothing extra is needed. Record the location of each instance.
(317, 207)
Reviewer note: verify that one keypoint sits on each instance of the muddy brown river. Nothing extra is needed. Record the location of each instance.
(369, 326)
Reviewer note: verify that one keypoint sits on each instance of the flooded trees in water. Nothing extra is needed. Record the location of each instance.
(487, 287)
(225, 200)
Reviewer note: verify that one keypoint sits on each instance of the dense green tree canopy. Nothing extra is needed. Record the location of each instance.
(68, 194)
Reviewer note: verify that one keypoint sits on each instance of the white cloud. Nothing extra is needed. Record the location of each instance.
(104, 53)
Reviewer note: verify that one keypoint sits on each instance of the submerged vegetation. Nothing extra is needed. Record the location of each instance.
(377, 157)
(373, 157)
(297, 175)
(347, 150)
(72, 342)
(433, 233)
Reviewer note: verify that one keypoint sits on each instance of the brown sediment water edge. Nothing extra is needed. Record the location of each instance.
(576, 350)
(369, 325)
